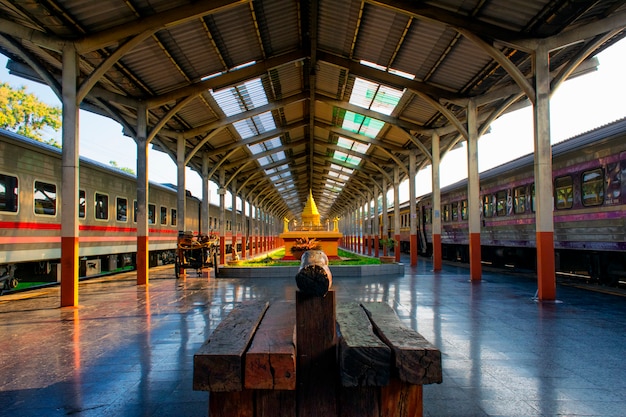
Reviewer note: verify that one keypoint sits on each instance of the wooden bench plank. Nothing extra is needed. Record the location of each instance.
(416, 359)
(401, 399)
(218, 364)
(364, 360)
(317, 351)
(271, 358)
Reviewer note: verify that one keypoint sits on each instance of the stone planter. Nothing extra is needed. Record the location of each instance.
(387, 259)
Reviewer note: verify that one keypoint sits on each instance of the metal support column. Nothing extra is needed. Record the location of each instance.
(206, 195)
(142, 258)
(396, 211)
(222, 194)
(70, 180)
(376, 228)
(473, 193)
(385, 233)
(181, 196)
(546, 278)
(436, 216)
(413, 209)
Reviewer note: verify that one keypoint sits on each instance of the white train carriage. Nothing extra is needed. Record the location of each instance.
(30, 213)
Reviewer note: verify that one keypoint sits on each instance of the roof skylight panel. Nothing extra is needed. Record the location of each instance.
(245, 128)
(369, 95)
(386, 100)
(243, 97)
(336, 169)
(349, 159)
(371, 127)
(353, 145)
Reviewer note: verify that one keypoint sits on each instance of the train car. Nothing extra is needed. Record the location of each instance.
(30, 214)
(589, 181)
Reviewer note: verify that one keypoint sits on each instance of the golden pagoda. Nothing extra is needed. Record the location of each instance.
(310, 215)
(311, 227)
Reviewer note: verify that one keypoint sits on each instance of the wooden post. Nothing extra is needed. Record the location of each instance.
(317, 364)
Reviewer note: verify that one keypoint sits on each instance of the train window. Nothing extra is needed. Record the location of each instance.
(519, 200)
(593, 187)
(532, 198)
(101, 209)
(163, 216)
(8, 193)
(464, 210)
(122, 209)
(151, 214)
(45, 196)
(455, 211)
(563, 192)
(135, 211)
(82, 204)
(446, 212)
(501, 203)
(488, 205)
(173, 217)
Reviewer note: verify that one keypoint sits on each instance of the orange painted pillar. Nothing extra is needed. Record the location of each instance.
(413, 250)
(546, 283)
(437, 252)
(243, 247)
(69, 271)
(142, 260)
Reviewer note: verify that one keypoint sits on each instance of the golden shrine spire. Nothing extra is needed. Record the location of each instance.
(310, 215)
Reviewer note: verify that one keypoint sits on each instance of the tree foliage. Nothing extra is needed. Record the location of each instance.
(114, 164)
(24, 113)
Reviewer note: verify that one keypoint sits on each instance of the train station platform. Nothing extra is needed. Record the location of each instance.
(128, 351)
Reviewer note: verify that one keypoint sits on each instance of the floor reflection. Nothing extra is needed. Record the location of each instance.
(128, 350)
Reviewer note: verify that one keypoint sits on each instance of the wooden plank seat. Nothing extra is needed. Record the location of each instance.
(252, 366)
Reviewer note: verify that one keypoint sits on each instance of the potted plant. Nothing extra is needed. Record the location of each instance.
(304, 244)
(388, 243)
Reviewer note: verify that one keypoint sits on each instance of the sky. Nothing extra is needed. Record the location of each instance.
(578, 105)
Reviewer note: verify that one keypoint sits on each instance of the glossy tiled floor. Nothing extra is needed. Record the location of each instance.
(128, 351)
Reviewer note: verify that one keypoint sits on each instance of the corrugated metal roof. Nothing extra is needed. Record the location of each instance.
(316, 118)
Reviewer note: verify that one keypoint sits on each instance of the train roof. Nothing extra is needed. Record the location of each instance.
(47, 148)
(583, 139)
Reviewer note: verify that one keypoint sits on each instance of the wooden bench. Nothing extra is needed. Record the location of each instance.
(310, 358)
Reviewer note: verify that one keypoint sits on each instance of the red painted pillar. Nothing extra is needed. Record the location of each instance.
(376, 243)
(142, 260)
(546, 283)
(474, 252)
(222, 249)
(397, 247)
(243, 247)
(413, 250)
(69, 271)
(437, 252)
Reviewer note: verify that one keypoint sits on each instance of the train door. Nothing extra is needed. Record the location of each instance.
(615, 187)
